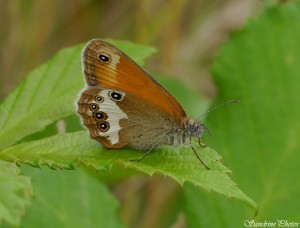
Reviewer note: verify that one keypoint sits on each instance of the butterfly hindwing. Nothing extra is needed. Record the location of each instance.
(101, 115)
(118, 119)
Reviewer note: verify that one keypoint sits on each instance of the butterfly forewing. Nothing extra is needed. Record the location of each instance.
(106, 66)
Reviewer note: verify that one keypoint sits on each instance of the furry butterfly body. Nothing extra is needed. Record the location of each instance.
(124, 106)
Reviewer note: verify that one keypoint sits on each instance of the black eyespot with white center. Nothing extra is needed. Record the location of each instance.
(100, 116)
(99, 99)
(103, 57)
(103, 126)
(116, 96)
(94, 107)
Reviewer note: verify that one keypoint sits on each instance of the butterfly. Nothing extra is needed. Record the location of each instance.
(124, 106)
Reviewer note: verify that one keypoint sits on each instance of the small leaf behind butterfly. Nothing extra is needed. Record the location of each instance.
(137, 52)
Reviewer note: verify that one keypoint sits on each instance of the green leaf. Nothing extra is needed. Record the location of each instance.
(73, 149)
(259, 138)
(15, 193)
(49, 93)
(70, 199)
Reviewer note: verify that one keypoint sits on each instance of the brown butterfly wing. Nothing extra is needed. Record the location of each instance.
(106, 66)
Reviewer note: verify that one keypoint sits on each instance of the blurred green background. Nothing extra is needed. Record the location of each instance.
(188, 35)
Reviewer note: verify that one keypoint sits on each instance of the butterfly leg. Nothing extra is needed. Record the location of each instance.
(199, 157)
(146, 154)
(201, 144)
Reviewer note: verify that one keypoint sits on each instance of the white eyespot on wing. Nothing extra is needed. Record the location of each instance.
(114, 115)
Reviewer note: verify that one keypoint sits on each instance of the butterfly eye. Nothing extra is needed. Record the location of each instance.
(116, 96)
(103, 126)
(94, 107)
(100, 116)
(99, 99)
(104, 57)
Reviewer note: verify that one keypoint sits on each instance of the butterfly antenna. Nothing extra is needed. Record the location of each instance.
(219, 106)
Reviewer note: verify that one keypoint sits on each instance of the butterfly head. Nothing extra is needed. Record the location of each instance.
(195, 128)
